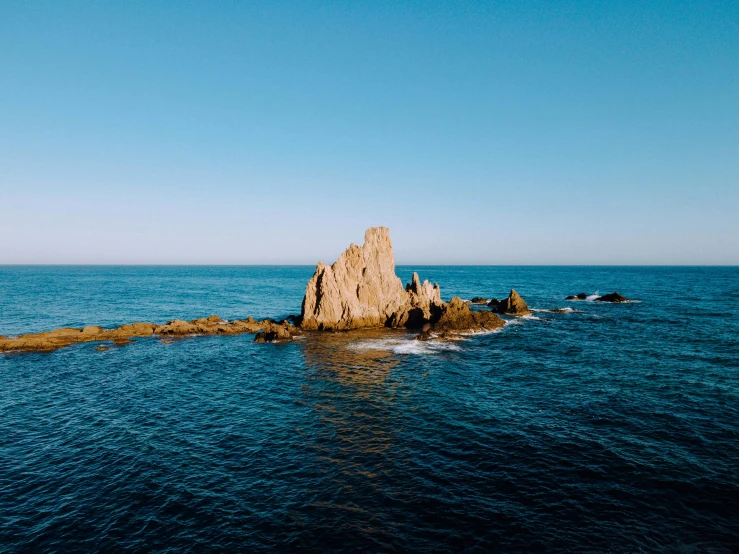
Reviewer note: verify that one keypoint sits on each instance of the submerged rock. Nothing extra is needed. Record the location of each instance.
(614, 297)
(580, 296)
(479, 300)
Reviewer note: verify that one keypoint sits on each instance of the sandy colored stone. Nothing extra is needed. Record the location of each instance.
(361, 290)
(421, 305)
(58, 338)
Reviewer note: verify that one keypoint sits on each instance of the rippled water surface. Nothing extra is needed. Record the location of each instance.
(611, 429)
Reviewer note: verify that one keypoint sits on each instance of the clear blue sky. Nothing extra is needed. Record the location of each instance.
(276, 132)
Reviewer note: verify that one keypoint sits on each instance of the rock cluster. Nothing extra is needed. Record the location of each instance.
(421, 304)
(456, 315)
(361, 290)
(274, 332)
(213, 325)
(614, 297)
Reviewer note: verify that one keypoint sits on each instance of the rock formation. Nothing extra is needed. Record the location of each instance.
(421, 304)
(479, 300)
(275, 333)
(580, 296)
(361, 290)
(213, 325)
(513, 305)
(457, 316)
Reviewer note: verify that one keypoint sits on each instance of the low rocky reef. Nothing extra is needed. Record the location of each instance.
(614, 297)
(267, 331)
(359, 291)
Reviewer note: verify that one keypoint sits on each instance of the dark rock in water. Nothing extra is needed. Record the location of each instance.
(425, 332)
(479, 300)
(457, 316)
(614, 297)
(580, 296)
(274, 332)
(102, 348)
(494, 303)
(571, 297)
(513, 305)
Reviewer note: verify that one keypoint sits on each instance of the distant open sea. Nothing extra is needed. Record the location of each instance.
(611, 429)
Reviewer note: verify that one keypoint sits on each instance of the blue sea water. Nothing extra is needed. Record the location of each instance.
(610, 429)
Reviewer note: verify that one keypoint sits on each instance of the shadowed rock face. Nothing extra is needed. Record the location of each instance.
(421, 305)
(513, 305)
(457, 316)
(361, 290)
(274, 332)
(613, 297)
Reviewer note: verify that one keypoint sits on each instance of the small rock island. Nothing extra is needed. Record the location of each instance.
(359, 291)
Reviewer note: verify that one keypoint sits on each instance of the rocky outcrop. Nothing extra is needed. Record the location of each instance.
(422, 304)
(274, 332)
(479, 300)
(456, 316)
(361, 290)
(614, 297)
(513, 305)
(580, 296)
(213, 325)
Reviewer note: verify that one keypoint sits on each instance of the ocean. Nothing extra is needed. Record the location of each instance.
(612, 428)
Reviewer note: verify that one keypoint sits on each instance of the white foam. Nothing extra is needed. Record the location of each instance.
(405, 346)
(592, 297)
(530, 316)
